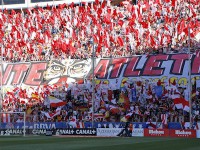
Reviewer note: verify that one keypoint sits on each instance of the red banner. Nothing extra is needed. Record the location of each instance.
(183, 133)
(156, 132)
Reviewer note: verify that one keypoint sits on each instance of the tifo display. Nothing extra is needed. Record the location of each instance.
(98, 68)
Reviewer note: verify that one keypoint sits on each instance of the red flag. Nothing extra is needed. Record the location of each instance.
(157, 14)
(185, 31)
(173, 3)
(115, 12)
(153, 43)
(13, 12)
(64, 47)
(72, 5)
(120, 41)
(120, 22)
(96, 2)
(95, 39)
(144, 25)
(48, 7)
(112, 39)
(98, 48)
(167, 1)
(103, 4)
(181, 26)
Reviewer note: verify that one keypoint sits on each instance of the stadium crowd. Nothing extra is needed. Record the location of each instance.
(71, 31)
(138, 101)
(66, 31)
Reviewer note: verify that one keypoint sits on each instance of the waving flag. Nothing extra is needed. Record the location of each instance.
(126, 117)
(125, 100)
(52, 114)
(55, 102)
(181, 103)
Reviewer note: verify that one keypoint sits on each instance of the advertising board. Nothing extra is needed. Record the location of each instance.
(138, 132)
(111, 132)
(156, 132)
(183, 133)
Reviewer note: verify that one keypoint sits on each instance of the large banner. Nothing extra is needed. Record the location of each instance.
(153, 67)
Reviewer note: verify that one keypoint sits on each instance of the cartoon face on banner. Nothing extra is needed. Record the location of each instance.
(78, 68)
(69, 67)
(55, 69)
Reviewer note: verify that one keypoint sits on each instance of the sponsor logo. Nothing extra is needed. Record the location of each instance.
(82, 132)
(156, 132)
(38, 132)
(44, 126)
(76, 132)
(111, 131)
(183, 133)
(12, 132)
(108, 131)
(65, 132)
(138, 132)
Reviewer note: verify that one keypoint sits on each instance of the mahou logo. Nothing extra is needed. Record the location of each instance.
(183, 133)
(156, 132)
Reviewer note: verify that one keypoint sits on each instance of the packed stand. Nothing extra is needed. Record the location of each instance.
(134, 100)
(68, 31)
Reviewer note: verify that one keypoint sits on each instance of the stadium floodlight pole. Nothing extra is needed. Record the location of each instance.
(189, 81)
(93, 81)
(189, 72)
(1, 95)
(1, 101)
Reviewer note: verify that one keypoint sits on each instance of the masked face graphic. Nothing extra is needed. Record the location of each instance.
(69, 68)
(79, 68)
(55, 69)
